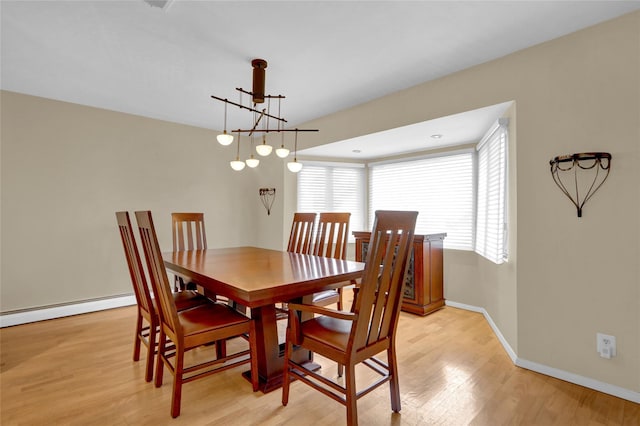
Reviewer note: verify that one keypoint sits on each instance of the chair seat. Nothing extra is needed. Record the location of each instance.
(188, 299)
(325, 297)
(332, 332)
(204, 318)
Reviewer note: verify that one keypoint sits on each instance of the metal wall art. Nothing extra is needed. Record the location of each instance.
(579, 167)
(267, 195)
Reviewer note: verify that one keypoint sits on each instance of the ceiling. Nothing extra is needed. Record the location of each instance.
(163, 59)
(457, 129)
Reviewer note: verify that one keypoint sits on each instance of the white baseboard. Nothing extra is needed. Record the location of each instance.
(41, 314)
(24, 317)
(580, 380)
(494, 327)
(545, 369)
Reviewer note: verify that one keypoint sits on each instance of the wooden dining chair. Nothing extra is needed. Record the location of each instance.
(331, 239)
(191, 328)
(147, 319)
(351, 338)
(301, 236)
(300, 241)
(188, 233)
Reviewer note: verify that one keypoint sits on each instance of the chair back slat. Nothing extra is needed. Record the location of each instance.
(157, 272)
(378, 301)
(332, 235)
(138, 280)
(188, 231)
(301, 235)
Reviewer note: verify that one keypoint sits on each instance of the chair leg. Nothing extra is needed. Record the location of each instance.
(286, 379)
(340, 299)
(340, 369)
(176, 283)
(179, 284)
(352, 407)
(162, 343)
(136, 342)
(240, 308)
(394, 384)
(151, 352)
(356, 288)
(221, 348)
(176, 394)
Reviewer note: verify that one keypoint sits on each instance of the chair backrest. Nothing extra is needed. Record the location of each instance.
(301, 234)
(332, 235)
(140, 288)
(379, 297)
(188, 231)
(157, 272)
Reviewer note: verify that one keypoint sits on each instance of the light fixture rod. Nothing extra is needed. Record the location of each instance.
(240, 89)
(262, 114)
(258, 97)
(227, 101)
(274, 130)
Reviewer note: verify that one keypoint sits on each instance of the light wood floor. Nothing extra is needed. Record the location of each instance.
(453, 371)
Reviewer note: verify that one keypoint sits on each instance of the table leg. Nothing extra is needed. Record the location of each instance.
(270, 352)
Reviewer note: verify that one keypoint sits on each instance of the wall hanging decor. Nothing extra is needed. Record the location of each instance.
(588, 170)
(267, 195)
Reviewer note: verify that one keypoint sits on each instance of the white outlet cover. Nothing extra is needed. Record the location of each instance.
(601, 343)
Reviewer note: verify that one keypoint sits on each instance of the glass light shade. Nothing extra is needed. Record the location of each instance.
(252, 162)
(294, 166)
(264, 149)
(225, 138)
(282, 152)
(237, 165)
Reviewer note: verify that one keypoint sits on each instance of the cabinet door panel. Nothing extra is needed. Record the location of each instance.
(423, 288)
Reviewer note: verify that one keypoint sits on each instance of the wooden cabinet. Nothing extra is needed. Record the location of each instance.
(423, 287)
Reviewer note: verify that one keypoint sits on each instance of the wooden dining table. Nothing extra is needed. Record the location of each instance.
(259, 278)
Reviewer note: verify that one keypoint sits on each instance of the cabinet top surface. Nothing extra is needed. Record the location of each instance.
(417, 237)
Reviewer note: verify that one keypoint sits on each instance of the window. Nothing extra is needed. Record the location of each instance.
(333, 188)
(462, 193)
(491, 226)
(439, 187)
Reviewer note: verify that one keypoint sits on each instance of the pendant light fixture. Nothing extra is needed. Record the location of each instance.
(294, 166)
(258, 97)
(264, 149)
(225, 138)
(251, 161)
(237, 164)
(281, 152)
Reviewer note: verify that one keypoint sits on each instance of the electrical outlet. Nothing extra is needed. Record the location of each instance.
(606, 345)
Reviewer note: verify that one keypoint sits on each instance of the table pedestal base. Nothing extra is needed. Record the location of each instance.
(275, 382)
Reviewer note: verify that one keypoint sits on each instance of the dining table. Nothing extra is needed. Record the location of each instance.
(260, 278)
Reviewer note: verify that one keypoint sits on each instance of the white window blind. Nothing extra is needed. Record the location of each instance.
(333, 188)
(491, 225)
(439, 187)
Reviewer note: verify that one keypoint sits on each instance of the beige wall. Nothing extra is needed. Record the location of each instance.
(67, 168)
(569, 278)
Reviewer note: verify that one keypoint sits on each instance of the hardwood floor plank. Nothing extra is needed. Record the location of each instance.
(453, 371)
